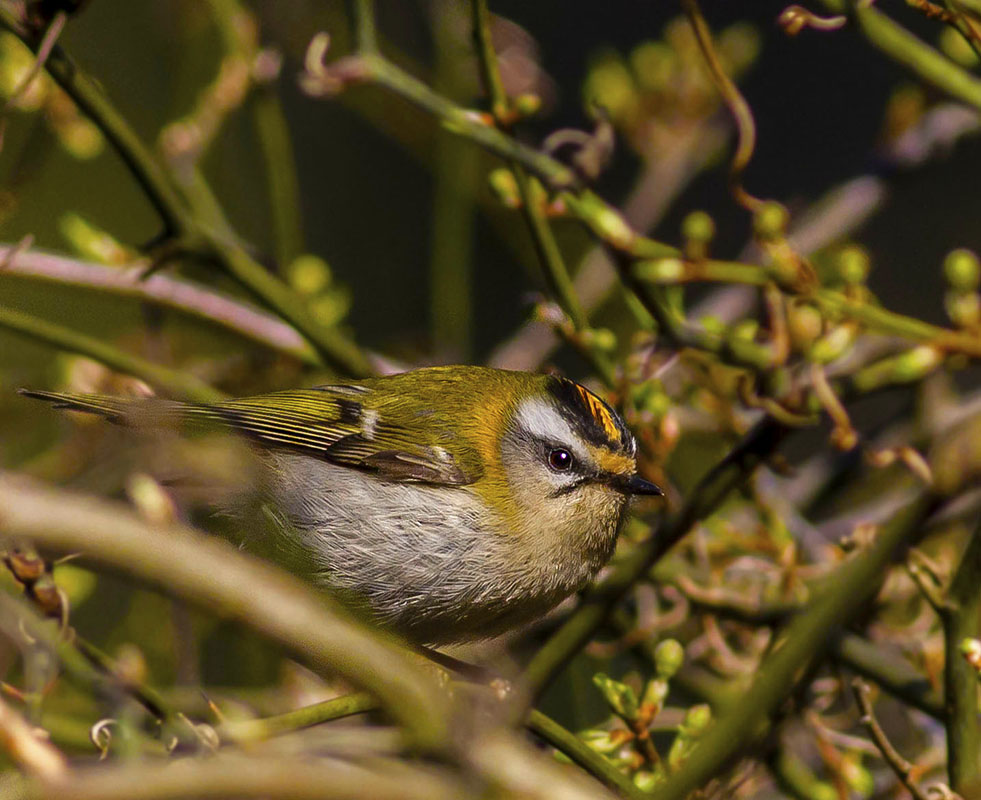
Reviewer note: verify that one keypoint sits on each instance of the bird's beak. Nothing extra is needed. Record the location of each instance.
(635, 484)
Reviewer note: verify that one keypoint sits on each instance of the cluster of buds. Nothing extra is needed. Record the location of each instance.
(664, 82)
(311, 277)
(963, 273)
(33, 573)
(74, 132)
(627, 742)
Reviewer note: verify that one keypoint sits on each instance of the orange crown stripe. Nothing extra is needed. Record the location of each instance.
(600, 413)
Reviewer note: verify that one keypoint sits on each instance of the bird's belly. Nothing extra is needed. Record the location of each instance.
(422, 558)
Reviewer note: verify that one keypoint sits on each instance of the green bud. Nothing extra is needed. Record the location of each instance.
(853, 265)
(804, 323)
(646, 781)
(856, 775)
(655, 693)
(331, 307)
(962, 269)
(610, 85)
(916, 363)
(745, 330)
(308, 274)
(668, 658)
(712, 324)
(603, 339)
(92, 242)
(527, 104)
(600, 741)
(654, 65)
(505, 187)
(770, 221)
(971, 649)
(698, 227)
(697, 719)
(612, 227)
(660, 270)
(833, 344)
(620, 697)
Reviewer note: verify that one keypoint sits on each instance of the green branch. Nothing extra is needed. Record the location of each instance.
(186, 233)
(902, 46)
(961, 617)
(570, 745)
(169, 381)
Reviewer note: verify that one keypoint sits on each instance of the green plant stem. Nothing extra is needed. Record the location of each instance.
(183, 563)
(961, 617)
(532, 199)
(456, 177)
(252, 730)
(795, 650)
(180, 226)
(282, 182)
(94, 104)
(461, 121)
(600, 601)
(336, 348)
(902, 46)
(365, 34)
(171, 382)
(892, 674)
(579, 753)
(487, 59)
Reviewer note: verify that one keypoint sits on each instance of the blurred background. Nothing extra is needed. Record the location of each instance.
(396, 229)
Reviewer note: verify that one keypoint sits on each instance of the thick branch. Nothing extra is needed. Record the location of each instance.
(181, 295)
(961, 617)
(185, 563)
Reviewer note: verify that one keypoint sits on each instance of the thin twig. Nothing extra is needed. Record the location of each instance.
(742, 115)
(797, 648)
(892, 757)
(169, 381)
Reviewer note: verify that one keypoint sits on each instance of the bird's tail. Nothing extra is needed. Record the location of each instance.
(119, 410)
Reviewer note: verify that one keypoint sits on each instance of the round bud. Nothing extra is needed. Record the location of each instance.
(745, 330)
(770, 221)
(527, 104)
(962, 269)
(308, 274)
(505, 187)
(853, 265)
(804, 323)
(645, 780)
(697, 719)
(604, 339)
(698, 227)
(668, 657)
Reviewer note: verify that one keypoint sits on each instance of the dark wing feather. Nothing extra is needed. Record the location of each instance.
(337, 426)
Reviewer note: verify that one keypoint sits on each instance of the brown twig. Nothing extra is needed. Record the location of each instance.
(904, 769)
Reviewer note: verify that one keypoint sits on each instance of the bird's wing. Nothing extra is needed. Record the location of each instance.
(336, 424)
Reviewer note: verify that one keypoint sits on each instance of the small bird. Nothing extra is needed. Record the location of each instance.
(455, 503)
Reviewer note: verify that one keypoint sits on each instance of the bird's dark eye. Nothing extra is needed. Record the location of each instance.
(560, 459)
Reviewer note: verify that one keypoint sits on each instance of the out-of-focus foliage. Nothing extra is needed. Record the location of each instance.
(754, 240)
